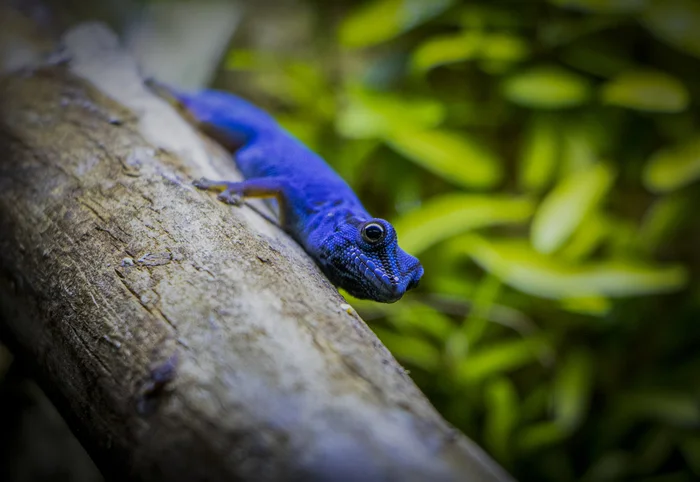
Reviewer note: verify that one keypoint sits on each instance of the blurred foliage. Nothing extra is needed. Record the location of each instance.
(542, 159)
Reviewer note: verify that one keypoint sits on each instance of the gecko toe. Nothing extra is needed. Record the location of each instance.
(202, 183)
(230, 197)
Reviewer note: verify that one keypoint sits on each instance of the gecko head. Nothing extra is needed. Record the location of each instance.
(364, 258)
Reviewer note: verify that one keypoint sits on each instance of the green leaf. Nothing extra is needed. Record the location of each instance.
(622, 235)
(591, 306)
(447, 215)
(420, 319)
(500, 357)
(450, 283)
(458, 158)
(307, 132)
(646, 90)
(244, 59)
(446, 49)
(612, 466)
(504, 47)
(293, 81)
(540, 153)
(483, 299)
(523, 268)
(674, 167)
(539, 435)
(381, 20)
(572, 389)
(590, 234)
(676, 23)
(563, 210)
(472, 44)
(351, 161)
(501, 416)
(368, 114)
(663, 219)
(489, 16)
(536, 403)
(547, 87)
(410, 349)
(473, 16)
(595, 60)
(456, 347)
(674, 408)
(561, 30)
(579, 148)
(603, 6)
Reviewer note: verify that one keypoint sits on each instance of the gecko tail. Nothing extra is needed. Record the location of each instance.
(163, 90)
(230, 116)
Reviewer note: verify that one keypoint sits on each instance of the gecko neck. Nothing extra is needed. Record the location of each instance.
(318, 226)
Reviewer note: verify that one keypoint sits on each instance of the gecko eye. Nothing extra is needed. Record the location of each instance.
(373, 232)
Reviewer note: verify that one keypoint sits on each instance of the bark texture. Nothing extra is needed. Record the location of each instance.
(183, 339)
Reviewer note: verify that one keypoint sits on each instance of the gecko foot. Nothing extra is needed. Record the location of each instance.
(229, 192)
(203, 183)
(230, 197)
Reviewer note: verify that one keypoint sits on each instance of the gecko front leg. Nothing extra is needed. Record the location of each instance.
(229, 192)
(235, 192)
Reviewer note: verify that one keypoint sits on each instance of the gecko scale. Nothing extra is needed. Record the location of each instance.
(356, 251)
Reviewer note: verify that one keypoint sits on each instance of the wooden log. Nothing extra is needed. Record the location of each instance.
(184, 339)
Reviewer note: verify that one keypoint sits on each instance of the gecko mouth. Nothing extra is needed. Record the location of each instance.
(391, 294)
(406, 281)
(390, 287)
(369, 270)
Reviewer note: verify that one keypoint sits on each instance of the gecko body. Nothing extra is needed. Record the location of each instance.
(356, 251)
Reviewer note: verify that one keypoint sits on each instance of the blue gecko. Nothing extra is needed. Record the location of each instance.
(356, 251)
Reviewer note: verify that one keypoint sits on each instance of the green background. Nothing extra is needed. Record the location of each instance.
(542, 160)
